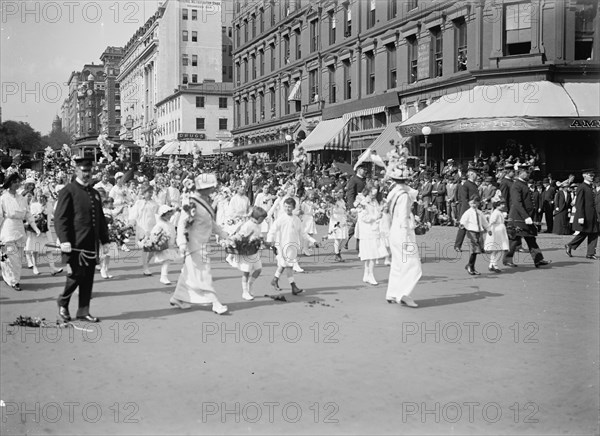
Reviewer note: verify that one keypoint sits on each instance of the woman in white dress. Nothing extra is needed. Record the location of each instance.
(338, 224)
(405, 270)
(143, 216)
(371, 246)
(123, 198)
(238, 210)
(42, 214)
(496, 243)
(307, 216)
(196, 225)
(13, 211)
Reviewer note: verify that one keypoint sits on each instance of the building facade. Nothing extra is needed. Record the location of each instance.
(110, 119)
(184, 45)
(374, 64)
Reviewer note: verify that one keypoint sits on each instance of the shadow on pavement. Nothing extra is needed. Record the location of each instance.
(457, 298)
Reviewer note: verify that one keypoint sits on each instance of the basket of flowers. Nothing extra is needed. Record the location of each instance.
(119, 232)
(243, 245)
(156, 241)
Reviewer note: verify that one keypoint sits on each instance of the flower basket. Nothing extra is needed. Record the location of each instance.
(155, 242)
(118, 231)
(421, 229)
(244, 246)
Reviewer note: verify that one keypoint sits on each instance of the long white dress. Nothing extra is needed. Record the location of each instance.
(249, 262)
(35, 243)
(338, 224)
(13, 210)
(308, 217)
(405, 270)
(498, 240)
(171, 253)
(195, 284)
(371, 244)
(144, 214)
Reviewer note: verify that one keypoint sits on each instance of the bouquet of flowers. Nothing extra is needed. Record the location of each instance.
(422, 228)
(119, 232)
(154, 242)
(244, 245)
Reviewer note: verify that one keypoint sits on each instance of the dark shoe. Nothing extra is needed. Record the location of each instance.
(458, 249)
(17, 287)
(275, 284)
(568, 250)
(58, 271)
(592, 256)
(510, 264)
(296, 290)
(63, 312)
(543, 262)
(392, 301)
(88, 318)
(338, 258)
(470, 270)
(494, 269)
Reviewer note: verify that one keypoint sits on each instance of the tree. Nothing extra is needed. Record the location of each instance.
(20, 136)
(55, 140)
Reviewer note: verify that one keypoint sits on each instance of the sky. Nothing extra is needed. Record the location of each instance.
(43, 41)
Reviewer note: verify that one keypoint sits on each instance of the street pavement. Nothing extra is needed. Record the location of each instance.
(510, 353)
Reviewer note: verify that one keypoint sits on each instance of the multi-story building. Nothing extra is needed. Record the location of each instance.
(345, 74)
(110, 120)
(182, 50)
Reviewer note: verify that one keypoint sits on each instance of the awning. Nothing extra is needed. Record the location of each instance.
(382, 144)
(364, 112)
(328, 135)
(187, 147)
(541, 105)
(295, 92)
(258, 146)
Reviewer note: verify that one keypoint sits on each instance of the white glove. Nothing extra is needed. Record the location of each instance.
(580, 220)
(65, 247)
(528, 221)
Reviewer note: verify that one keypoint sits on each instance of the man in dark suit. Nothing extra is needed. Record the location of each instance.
(467, 191)
(520, 214)
(506, 184)
(355, 185)
(438, 192)
(80, 224)
(548, 203)
(585, 220)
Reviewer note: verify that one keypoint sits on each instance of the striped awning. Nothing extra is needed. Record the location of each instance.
(382, 144)
(364, 112)
(295, 92)
(328, 135)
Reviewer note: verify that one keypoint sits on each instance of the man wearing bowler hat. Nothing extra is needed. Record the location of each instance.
(81, 229)
(585, 220)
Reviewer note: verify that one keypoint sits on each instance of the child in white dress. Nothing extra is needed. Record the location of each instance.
(371, 246)
(497, 241)
(111, 214)
(249, 264)
(338, 225)
(35, 244)
(307, 216)
(166, 227)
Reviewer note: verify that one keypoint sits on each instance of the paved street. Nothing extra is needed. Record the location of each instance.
(511, 353)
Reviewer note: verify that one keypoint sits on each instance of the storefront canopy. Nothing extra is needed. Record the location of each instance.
(382, 144)
(187, 147)
(328, 135)
(541, 105)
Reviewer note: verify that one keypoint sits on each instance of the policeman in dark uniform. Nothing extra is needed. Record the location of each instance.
(80, 225)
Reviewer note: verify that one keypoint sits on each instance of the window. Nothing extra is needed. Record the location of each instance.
(272, 46)
(184, 35)
(585, 14)
(184, 14)
(272, 8)
(245, 31)
(253, 108)
(347, 80)
(237, 74)
(286, 49)
(314, 36)
(286, 93)
(298, 45)
(253, 66)
(517, 29)
(331, 22)
(332, 85)
(185, 79)
(261, 20)
(194, 78)
(412, 4)
(412, 58)
(199, 101)
(460, 42)
(238, 113)
(246, 119)
(313, 86)
(245, 70)
(273, 103)
(437, 60)
(347, 20)
(194, 60)
(194, 15)
(199, 123)
(229, 32)
(261, 57)
(194, 36)
(261, 105)
(222, 102)
(392, 9)
(222, 123)
(370, 59)
(391, 66)
(184, 60)
(237, 36)
(253, 19)
(371, 14)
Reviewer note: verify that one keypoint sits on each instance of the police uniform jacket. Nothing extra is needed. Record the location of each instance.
(521, 207)
(584, 208)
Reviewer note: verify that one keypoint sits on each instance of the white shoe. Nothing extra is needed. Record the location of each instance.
(165, 281)
(105, 275)
(372, 281)
(387, 262)
(219, 308)
(178, 303)
(36, 271)
(365, 278)
(297, 268)
(408, 301)
(247, 296)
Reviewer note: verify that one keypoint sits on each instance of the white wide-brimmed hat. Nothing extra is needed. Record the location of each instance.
(205, 181)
